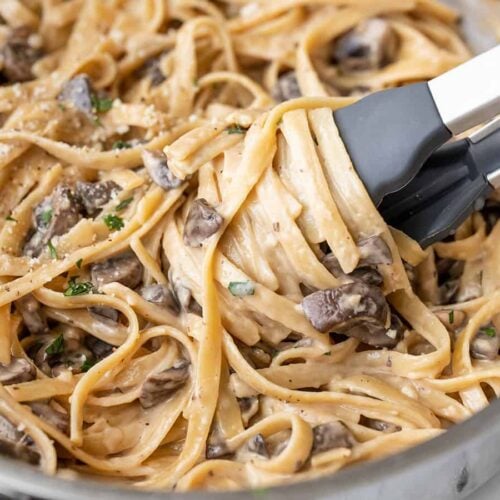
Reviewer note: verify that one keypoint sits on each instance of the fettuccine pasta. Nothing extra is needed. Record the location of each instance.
(196, 290)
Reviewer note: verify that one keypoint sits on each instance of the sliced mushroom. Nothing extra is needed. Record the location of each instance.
(62, 350)
(151, 69)
(17, 371)
(19, 56)
(374, 251)
(379, 425)
(258, 445)
(485, 345)
(340, 309)
(161, 296)
(94, 195)
(256, 356)
(331, 435)
(218, 450)
(78, 92)
(286, 88)
(249, 408)
(55, 216)
(377, 335)
(371, 45)
(202, 222)
(33, 317)
(183, 294)
(98, 347)
(367, 275)
(46, 412)
(125, 269)
(16, 444)
(156, 164)
(106, 314)
(160, 386)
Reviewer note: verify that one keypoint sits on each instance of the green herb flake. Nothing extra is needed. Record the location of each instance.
(10, 218)
(236, 129)
(79, 263)
(241, 288)
(46, 216)
(75, 288)
(101, 104)
(56, 347)
(490, 331)
(52, 250)
(121, 145)
(329, 353)
(88, 364)
(124, 204)
(61, 106)
(451, 317)
(113, 222)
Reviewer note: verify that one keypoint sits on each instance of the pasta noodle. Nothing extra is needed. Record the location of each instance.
(196, 290)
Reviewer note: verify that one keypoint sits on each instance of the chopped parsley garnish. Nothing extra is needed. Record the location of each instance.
(10, 218)
(236, 129)
(124, 204)
(52, 250)
(241, 288)
(56, 347)
(451, 317)
(329, 353)
(62, 107)
(490, 331)
(75, 288)
(114, 222)
(46, 216)
(79, 263)
(87, 364)
(101, 104)
(121, 145)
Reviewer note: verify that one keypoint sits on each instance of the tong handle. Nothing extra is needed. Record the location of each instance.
(469, 94)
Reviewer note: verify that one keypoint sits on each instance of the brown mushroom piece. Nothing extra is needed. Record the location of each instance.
(33, 317)
(17, 371)
(485, 344)
(379, 425)
(95, 195)
(371, 45)
(105, 314)
(19, 56)
(249, 408)
(55, 418)
(256, 356)
(151, 69)
(331, 435)
(156, 164)
(98, 347)
(374, 251)
(16, 444)
(78, 92)
(258, 445)
(340, 309)
(368, 274)
(55, 216)
(125, 269)
(377, 335)
(183, 294)
(160, 386)
(202, 222)
(62, 350)
(286, 88)
(218, 450)
(161, 296)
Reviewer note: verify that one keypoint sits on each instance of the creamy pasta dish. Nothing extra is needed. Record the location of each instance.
(196, 290)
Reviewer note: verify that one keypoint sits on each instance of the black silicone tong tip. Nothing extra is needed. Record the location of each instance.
(390, 134)
(452, 184)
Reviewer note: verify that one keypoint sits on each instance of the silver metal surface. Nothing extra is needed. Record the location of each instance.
(485, 131)
(470, 94)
